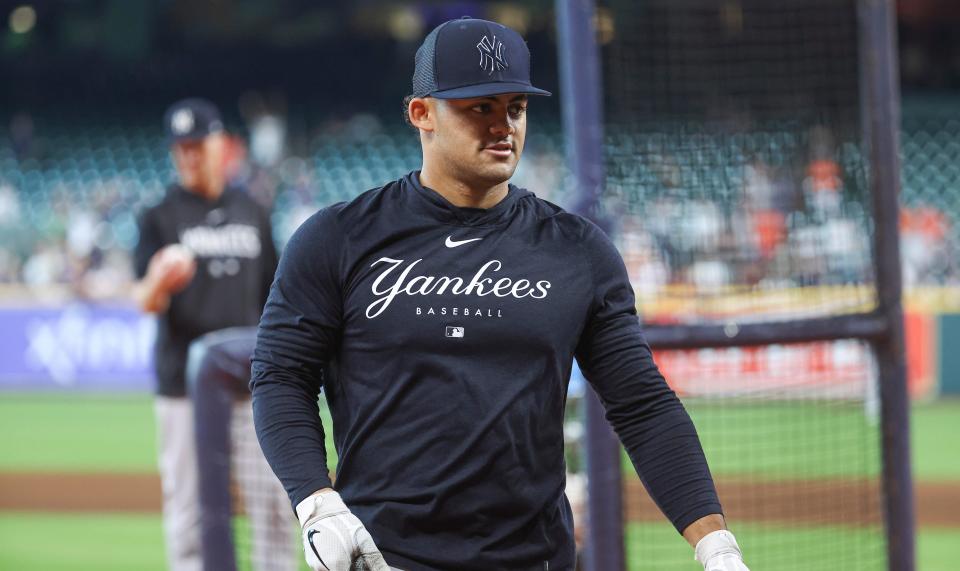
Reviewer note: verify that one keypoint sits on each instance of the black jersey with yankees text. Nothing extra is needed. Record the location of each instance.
(236, 259)
(444, 338)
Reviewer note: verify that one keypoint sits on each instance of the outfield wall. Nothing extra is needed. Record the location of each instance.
(76, 346)
(108, 347)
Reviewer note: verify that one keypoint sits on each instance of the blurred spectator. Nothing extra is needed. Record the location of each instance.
(9, 204)
(240, 172)
(710, 275)
(267, 123)
(300, 189)
(823, 184)
(758, 185)
(923, 233)
(647, 271)
(9, 267)
(47, 265)
(543, 174)
(236, 166)
(82, 227)
(758, 226)
(702, 226)
(107, 275)
(834, 251)
(684, 212)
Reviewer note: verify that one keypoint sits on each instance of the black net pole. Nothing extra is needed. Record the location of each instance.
(881, 100)
(583, 132)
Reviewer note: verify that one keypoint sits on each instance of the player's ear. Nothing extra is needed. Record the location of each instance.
(422, 113)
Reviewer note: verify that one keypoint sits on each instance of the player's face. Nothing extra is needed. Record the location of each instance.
(482, 137)
(200, 163)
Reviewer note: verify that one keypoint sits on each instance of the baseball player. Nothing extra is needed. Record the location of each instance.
(441, 314)
(205, 259)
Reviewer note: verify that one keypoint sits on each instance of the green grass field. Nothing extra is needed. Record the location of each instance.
(81, 433)
(102, 434)
(54, 433)
(775, 441)
(936, 548)
(117, 542)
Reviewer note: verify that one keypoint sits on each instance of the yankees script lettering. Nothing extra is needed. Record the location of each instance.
(426, 285)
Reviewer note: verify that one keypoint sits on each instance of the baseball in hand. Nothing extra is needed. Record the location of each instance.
(177, 265)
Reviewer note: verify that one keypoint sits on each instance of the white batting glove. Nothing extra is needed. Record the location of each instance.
(718, 551)
(334, 539)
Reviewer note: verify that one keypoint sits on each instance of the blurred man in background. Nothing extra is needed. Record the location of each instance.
(205, 260)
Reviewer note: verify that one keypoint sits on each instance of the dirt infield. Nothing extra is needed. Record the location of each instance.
(47, 491)
(854, 502)
(851, 501)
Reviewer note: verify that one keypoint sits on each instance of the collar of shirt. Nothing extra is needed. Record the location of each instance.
(429, 202)
(185, 194)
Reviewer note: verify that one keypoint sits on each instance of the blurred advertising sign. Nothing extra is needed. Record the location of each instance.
(844, 369)
(76, 346)
(838, 369)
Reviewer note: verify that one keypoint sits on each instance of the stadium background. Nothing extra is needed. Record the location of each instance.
(312, 94)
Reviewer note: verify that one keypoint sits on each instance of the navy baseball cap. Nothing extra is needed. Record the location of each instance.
(191, 119)
(469, 57)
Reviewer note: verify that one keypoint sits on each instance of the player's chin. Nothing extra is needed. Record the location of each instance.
(501, 169)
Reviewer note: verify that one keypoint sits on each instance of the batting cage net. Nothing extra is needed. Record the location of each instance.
(792, 437)
(738, 190)
(734, 158)
(265, 532)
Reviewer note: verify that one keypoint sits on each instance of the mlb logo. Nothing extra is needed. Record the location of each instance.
(454, 331)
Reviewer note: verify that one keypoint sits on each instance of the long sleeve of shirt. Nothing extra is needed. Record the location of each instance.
(298, 328)
(646, 414)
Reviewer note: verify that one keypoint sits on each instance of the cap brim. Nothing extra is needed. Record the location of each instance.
(192, 136)
(172, 139)
(487, 89)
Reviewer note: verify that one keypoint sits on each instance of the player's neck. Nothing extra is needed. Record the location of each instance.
(209, 192)
(462, 193)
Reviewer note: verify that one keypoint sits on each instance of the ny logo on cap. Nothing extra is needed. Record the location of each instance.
(491, 55)
(182, 121)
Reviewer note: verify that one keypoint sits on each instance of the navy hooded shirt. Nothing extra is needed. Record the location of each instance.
(444, 339)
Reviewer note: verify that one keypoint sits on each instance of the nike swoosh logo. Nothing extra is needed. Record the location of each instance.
(314, 547)
(451, 243)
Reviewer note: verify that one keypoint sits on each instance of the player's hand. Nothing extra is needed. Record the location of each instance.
(718, 551)
(172, 268)
(333, 538)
